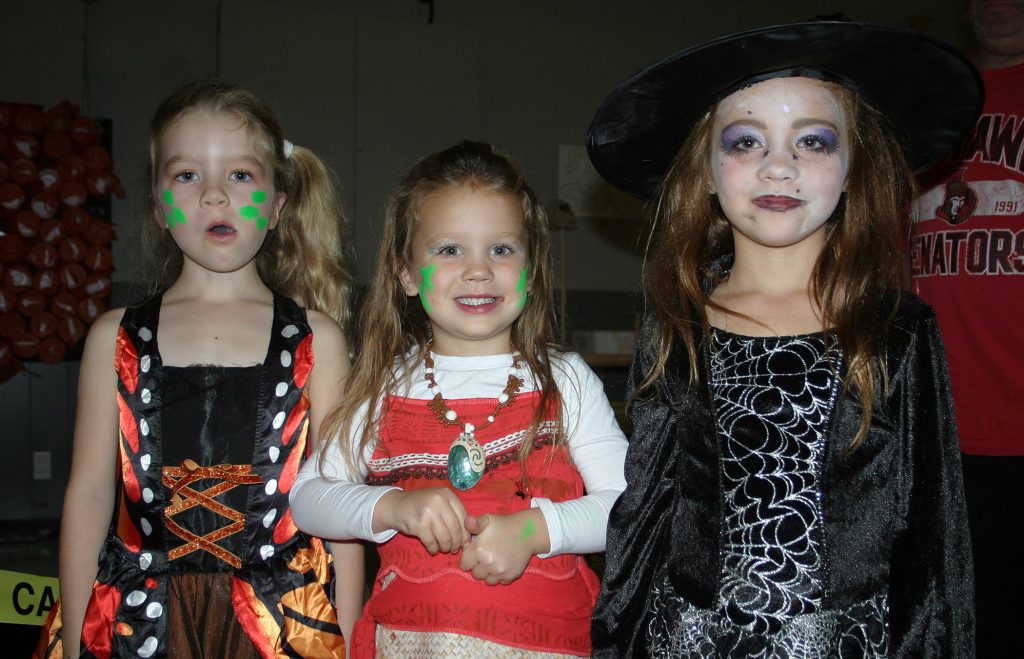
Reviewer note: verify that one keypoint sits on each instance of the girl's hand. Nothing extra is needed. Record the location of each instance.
(504, 545)
(434, 515)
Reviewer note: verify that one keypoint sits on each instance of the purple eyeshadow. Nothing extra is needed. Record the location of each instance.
(734, 134)
(827, 136)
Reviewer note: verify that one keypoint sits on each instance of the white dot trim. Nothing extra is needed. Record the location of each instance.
(149, 647)
(135, 598)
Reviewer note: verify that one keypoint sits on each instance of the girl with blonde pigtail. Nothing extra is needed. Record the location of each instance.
(197, 406)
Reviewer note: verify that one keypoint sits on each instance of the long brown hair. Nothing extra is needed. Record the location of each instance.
(391, 326)
(862, 259)
(308, 256)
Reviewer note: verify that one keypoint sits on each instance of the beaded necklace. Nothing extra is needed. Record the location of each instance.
(466, 463)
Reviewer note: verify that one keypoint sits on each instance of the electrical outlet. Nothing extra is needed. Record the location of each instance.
(42, 465)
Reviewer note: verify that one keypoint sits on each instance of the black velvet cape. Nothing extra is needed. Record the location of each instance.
(894, 513)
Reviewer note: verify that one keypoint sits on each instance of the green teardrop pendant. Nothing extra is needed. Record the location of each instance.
(466, 463)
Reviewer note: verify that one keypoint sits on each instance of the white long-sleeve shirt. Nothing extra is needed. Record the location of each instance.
(338, 505)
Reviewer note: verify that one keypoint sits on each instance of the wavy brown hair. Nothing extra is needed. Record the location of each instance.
(391, 323)
(863, 256)
(308, 256)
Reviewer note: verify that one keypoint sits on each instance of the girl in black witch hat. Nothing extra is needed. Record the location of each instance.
(794, 483)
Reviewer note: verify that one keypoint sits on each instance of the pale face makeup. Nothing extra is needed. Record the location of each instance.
(779, 159)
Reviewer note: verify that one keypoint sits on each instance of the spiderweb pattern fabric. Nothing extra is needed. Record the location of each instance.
(773, 397)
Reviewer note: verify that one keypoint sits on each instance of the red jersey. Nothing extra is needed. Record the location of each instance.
(968, 263)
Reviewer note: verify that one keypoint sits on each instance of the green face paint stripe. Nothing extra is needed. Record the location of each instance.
(427, 273)
(528, 530)
(177, 216)
(168, 197)
(249, 212)
(261, 223)
(521, 286)
(170, 220)
(259, 197)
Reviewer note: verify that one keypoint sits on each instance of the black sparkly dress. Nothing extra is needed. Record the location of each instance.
(773, 398)
(749, 527)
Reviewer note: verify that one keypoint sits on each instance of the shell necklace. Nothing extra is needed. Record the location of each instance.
(466, 463)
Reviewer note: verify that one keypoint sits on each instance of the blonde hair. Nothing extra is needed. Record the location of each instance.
(308, 256)
(389, 326)
(862, 259)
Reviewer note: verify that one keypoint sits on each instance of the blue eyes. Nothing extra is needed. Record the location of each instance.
(499, 250)
(237, 176)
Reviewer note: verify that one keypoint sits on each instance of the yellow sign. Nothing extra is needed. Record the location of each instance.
(26, 599)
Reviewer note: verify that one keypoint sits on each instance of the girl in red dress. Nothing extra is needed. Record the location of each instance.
(482, 459)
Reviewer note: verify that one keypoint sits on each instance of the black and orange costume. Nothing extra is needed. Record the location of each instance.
(202, 556)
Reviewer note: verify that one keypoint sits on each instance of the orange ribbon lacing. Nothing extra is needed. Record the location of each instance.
(183, 497)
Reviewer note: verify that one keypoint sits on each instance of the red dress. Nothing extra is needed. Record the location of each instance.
(548, 608)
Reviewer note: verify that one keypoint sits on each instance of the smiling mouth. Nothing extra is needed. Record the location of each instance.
(476, 301)
(777, 203)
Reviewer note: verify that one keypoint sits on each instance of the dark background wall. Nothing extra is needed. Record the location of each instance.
(370, 85)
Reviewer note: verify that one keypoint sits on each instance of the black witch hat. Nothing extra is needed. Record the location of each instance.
(931, 93)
